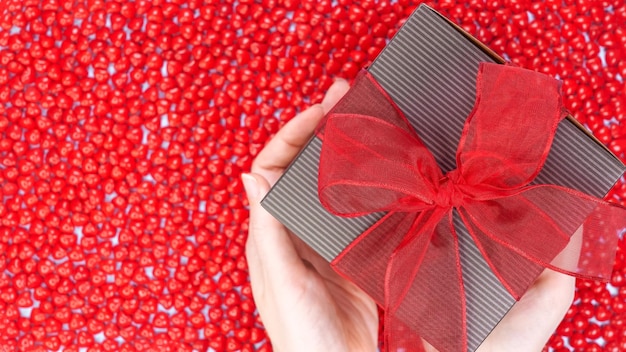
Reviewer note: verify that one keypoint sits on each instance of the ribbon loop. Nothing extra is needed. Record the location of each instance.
(507, 136)
(409, 261)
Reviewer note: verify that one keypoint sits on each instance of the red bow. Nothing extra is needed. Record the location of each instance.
(373, 161)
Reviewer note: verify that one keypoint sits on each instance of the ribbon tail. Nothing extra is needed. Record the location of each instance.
(399, 337)
(542, 227)
(365, 260)
(424, 297)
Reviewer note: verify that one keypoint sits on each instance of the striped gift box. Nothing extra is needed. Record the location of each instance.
(429, 69)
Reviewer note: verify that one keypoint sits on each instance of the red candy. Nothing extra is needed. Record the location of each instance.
(126, 125)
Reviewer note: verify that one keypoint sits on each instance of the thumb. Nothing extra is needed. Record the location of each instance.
(276, 252)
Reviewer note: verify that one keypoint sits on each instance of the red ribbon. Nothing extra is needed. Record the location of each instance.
(373, 161)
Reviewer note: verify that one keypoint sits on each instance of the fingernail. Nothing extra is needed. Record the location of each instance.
(250, 185)
(339, 79)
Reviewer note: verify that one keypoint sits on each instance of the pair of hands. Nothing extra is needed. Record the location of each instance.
(306, 306)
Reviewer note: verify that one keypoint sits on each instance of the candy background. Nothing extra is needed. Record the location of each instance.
(125, 126)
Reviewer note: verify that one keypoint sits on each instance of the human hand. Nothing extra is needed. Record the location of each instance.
(306, 306)
(532, 320)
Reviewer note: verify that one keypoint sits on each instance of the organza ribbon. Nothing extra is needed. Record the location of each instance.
(409, 262)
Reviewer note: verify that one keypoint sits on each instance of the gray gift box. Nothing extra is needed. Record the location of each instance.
(429, 70)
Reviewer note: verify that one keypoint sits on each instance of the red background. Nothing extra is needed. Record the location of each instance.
(126, 124)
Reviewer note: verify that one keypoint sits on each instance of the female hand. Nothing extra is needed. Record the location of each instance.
(306, 306)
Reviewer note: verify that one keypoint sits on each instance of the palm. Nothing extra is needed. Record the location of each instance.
(338, 304)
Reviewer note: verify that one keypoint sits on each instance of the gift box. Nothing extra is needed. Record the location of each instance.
(429, 70)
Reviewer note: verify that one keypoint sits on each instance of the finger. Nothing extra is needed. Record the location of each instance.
(275, 253)
(554, 291)
(255, 266)
(287, 143)
(283, 148)
(334, 94)
(569, 257)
